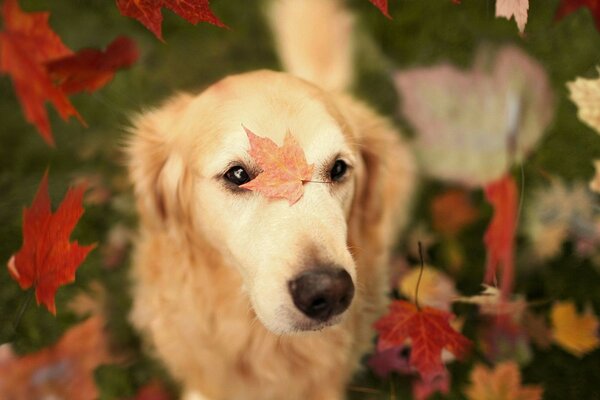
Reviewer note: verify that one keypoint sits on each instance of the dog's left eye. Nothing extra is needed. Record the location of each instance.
(237, 175)
(338, 170)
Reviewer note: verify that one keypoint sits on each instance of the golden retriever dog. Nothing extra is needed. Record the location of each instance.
(246, 297)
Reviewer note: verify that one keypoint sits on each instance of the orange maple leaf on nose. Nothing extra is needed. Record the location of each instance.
(47, 258)
(284, 169)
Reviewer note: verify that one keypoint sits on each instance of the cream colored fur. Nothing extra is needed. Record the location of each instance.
(211, 264)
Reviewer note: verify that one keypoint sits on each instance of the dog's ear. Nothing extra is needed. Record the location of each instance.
(385, 181)
(158, 172)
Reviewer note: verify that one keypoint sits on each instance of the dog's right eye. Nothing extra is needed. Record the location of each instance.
(237, 175)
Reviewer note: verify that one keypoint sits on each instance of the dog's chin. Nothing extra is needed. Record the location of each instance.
(292, 323)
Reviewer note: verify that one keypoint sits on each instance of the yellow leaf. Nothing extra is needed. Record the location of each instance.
(576, 333)
(501, 383)
(586, 94)
(436, 289)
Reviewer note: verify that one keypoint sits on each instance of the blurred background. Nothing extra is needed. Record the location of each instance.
(557, 258)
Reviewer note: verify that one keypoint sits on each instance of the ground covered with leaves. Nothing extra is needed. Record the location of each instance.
(448, 73)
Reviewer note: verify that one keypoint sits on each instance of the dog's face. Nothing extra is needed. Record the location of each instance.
(294, 260)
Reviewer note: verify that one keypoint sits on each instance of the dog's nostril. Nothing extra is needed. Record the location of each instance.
(322, 292)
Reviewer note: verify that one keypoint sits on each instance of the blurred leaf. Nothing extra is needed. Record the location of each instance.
(63, 371)
(574, 332)
(586, 94)
(436, 289)
(451, 211)
(501, 383)
(472, 125)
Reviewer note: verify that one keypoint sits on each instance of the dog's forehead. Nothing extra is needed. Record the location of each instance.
(272, 111)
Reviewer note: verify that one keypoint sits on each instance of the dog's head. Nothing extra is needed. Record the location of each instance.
(189, 158)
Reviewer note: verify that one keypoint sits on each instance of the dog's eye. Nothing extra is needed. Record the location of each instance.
(338, 170)
(237, 175)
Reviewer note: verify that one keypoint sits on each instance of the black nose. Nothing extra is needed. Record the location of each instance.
(322, 292)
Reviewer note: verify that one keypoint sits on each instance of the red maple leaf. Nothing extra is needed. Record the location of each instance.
(430, 332)
(500, 235)
(47, 259)
(149, 12)
(284, 169)
(26, 45)
(383, 6)
(44, 69)
(566, 7)
(90, 69)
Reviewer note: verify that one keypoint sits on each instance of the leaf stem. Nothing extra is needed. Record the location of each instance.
(420, 276)
(22, 309)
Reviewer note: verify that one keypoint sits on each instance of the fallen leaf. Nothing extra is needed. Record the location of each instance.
(429, 331)
(26, 45)
(574, 332)
(436, 289)
(91, 69)
(513, 8)
(585, 93)
(47, 259)
(595, 182)
(499, 237)
(501, 383)
(382, 5)
(490, 302)
(284, 169)
(63, 371)
(149, 12)
(422, 390)
(472, 125)
(452, 211)
(566, 7)
(559, 212)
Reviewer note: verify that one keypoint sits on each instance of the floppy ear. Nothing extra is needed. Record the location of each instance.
(162, 183)
(385, 183)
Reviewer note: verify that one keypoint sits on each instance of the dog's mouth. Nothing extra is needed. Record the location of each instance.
(308, 325)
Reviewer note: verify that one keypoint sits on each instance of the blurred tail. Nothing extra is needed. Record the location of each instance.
(314, 40)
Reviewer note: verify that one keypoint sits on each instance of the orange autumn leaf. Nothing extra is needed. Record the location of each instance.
(47, 259)
(284, 169)
(500, 235)
(149, 12)
(27, 43)
(452, 211)
(574, 332)
(91, 69)
(501, 383)
(62, 371)
(430, 332)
